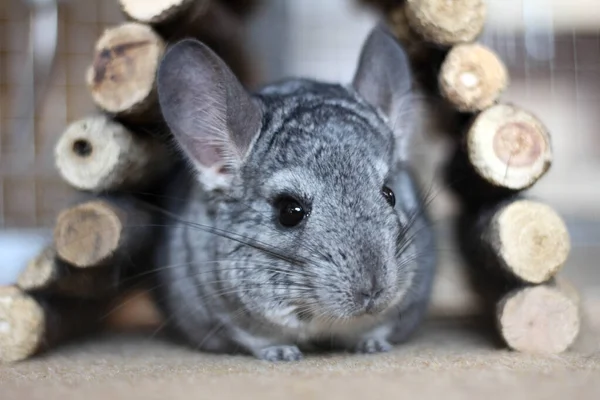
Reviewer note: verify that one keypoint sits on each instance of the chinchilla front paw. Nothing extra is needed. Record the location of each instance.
(279, 353)
(372, 345)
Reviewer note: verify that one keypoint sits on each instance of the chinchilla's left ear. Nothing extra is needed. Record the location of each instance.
(383, 78)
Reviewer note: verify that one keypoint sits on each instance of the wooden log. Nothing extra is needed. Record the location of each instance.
(509, 147)
(540, 319)
(417, 50)
(102, 232)
(447, 22)
(525, 316)
(205, 20)
(49, 275)
(98, 154)
(42, 271)
(31, 324)
(526, 240)
(472, 77)
(122, 77)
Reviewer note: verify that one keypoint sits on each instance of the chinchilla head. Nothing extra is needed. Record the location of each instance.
(298, 174)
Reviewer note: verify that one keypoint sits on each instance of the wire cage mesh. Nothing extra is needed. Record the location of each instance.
(31, 191)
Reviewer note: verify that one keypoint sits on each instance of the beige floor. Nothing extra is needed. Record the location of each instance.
(448, 360)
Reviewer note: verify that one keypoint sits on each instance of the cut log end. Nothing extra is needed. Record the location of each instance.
(22, 325)
(88, 234)
(156, 11)
(98, 154)
(41, 272)
(538, 319)
(472, 77)
(398, 23)
(122, 76)
(531, 240)
(509, 147)
(447, 22)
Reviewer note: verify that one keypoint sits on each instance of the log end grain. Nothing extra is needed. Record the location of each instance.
(41, 272)
(447, 22)
(472, 77)
(509, 147)
(531, 240)
(538, 319)
(98, 154)
(153, 12)
(88, 234)
(122, 76)
(22, 325)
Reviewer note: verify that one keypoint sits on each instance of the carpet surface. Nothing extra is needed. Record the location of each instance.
(446, 360)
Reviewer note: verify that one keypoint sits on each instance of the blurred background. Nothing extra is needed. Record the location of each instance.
(551, 47)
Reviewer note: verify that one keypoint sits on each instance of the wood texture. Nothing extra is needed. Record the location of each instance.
(509, 147)
(208, 21)
(98, 154)
(30, 324)
(540, 319)
(122, 77)
(472, 77)
(49, 275)
(102, 231)
(514, 252)
(526, 239)
(447, 22)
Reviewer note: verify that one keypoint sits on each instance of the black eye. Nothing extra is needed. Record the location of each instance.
(389, 195)
(291, 212)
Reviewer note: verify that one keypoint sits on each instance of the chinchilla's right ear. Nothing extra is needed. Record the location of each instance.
(211, 115)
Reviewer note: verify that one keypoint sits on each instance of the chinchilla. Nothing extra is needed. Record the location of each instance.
(297, 222)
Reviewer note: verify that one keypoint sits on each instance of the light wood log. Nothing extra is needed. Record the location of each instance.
(418, 51)
(47, 274)
(447, 22)
(472, 77)
(122, 77)
(206, 20)
(98, 154)
(101, 232)
(540, 319)
(496, 243)
(43, 271)
(509, 147)
(526, 239)
(31, 324)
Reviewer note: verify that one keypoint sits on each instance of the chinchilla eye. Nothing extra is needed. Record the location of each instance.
(389, 195)
(291, 212)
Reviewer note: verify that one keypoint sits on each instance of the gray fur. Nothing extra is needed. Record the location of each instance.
(272, 291)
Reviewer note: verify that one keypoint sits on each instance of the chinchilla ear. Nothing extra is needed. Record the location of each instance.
(212, 117)
(383, 78)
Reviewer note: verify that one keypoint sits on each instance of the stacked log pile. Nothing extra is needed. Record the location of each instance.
(115, 158)
(514, 246)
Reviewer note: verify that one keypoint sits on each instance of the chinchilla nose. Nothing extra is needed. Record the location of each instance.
(367, 297)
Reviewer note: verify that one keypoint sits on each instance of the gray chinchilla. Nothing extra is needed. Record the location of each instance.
(302, 225)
